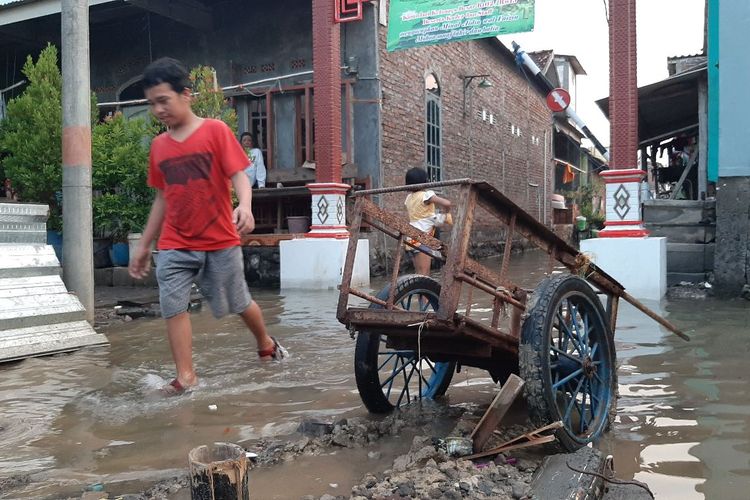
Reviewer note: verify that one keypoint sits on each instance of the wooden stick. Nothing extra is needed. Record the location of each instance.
(532, 438)
(497, 410)
(651, 314)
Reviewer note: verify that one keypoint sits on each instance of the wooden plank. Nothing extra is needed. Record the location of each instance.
(497, 410)
(450, 286)
(531, 438)
(351, 252)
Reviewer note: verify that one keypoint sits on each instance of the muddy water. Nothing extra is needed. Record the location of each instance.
(91, 417)
(683, 423)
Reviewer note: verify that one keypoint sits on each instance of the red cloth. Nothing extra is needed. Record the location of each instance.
(568, 176)
(195, 178)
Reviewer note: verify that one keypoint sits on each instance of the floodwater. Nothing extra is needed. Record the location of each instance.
(89, 417)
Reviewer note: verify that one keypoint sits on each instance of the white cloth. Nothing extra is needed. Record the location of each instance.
(256, 171)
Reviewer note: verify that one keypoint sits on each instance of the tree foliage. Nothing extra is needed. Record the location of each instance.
(31, 135)
(209, 100)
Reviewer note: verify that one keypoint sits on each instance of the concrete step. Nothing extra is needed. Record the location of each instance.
(24, 311)
(22, 343)
(37, 285)
(683, 233)
(690, 257)
(25, 260)
(23, 223)
(677, 278)
(679, 211)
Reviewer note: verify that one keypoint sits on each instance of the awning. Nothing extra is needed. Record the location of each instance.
(666, 108)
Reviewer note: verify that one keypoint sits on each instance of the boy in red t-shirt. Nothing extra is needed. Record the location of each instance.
(191, 166)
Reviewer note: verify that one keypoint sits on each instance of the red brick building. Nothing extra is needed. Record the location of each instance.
(500, 134)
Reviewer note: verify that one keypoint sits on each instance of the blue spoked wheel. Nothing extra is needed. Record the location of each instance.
(388, 378)
(567, 359)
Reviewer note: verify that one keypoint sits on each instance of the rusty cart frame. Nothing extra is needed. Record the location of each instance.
(559, 336)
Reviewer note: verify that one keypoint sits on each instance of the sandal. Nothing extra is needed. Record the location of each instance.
(174, 388)
(276, 353)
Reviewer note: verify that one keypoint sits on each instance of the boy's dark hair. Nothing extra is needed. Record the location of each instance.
(247, 134)
(416, 175)
(167, 70)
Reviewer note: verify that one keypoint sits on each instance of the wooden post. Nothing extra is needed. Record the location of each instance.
(218, 472)
(497, 410)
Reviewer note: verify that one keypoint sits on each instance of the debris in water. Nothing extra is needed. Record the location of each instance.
(213, 407)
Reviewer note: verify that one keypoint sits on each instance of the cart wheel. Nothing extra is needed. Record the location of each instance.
(389, 378)
(567, 359)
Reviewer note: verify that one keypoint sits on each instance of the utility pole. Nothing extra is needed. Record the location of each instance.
(78, 260)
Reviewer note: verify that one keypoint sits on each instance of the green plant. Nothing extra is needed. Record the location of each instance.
(31, 136)
(586, 198)
(122, 197)
(209, 100)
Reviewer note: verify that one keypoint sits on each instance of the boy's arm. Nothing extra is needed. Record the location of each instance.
(140, 263)
(243, 214)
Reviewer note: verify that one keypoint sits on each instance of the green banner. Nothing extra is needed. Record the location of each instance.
(416, 23)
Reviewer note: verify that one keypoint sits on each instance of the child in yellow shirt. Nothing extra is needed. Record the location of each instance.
(421, 207)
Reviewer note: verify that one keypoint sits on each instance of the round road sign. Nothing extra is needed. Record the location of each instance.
(558, 100)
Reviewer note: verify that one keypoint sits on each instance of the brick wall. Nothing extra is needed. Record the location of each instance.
(472, 147)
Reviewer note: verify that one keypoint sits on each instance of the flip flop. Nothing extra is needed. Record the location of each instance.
(276, 353)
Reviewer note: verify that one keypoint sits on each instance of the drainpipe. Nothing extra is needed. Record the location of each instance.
(523, 58)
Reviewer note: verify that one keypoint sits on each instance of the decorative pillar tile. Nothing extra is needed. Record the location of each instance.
(623, 203)
(328, 210)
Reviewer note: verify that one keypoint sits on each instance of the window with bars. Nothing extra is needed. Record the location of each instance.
(433, 133)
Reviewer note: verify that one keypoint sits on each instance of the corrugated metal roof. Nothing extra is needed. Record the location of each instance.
(8, 2)
(666, 106)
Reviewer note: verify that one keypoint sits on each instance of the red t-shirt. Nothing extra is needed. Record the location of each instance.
(195, 178)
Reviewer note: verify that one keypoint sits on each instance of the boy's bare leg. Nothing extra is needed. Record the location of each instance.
(253, 318)
(422, 264)
(180, 333)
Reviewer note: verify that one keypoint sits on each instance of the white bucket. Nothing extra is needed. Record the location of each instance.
(133, 241)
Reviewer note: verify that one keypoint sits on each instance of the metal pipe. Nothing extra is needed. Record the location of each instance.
(78, 252)
(523, 58)
(414, 187)
(486, 288)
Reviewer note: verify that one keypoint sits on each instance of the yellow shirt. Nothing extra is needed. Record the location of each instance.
(421, 213)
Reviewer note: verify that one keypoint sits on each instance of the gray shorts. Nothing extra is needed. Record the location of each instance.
(220, 275)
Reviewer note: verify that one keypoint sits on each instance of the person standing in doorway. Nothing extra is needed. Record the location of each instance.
(256, 172)
(191, 166)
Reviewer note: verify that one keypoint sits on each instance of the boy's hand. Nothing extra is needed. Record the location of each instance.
(244, 220)
(140, 264)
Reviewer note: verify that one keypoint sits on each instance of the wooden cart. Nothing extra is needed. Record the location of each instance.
(558, 337)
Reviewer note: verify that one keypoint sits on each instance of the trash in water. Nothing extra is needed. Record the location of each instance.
(458, 446)
(95, 487)
(213, 407)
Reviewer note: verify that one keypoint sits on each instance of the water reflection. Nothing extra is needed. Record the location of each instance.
(684, 412)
